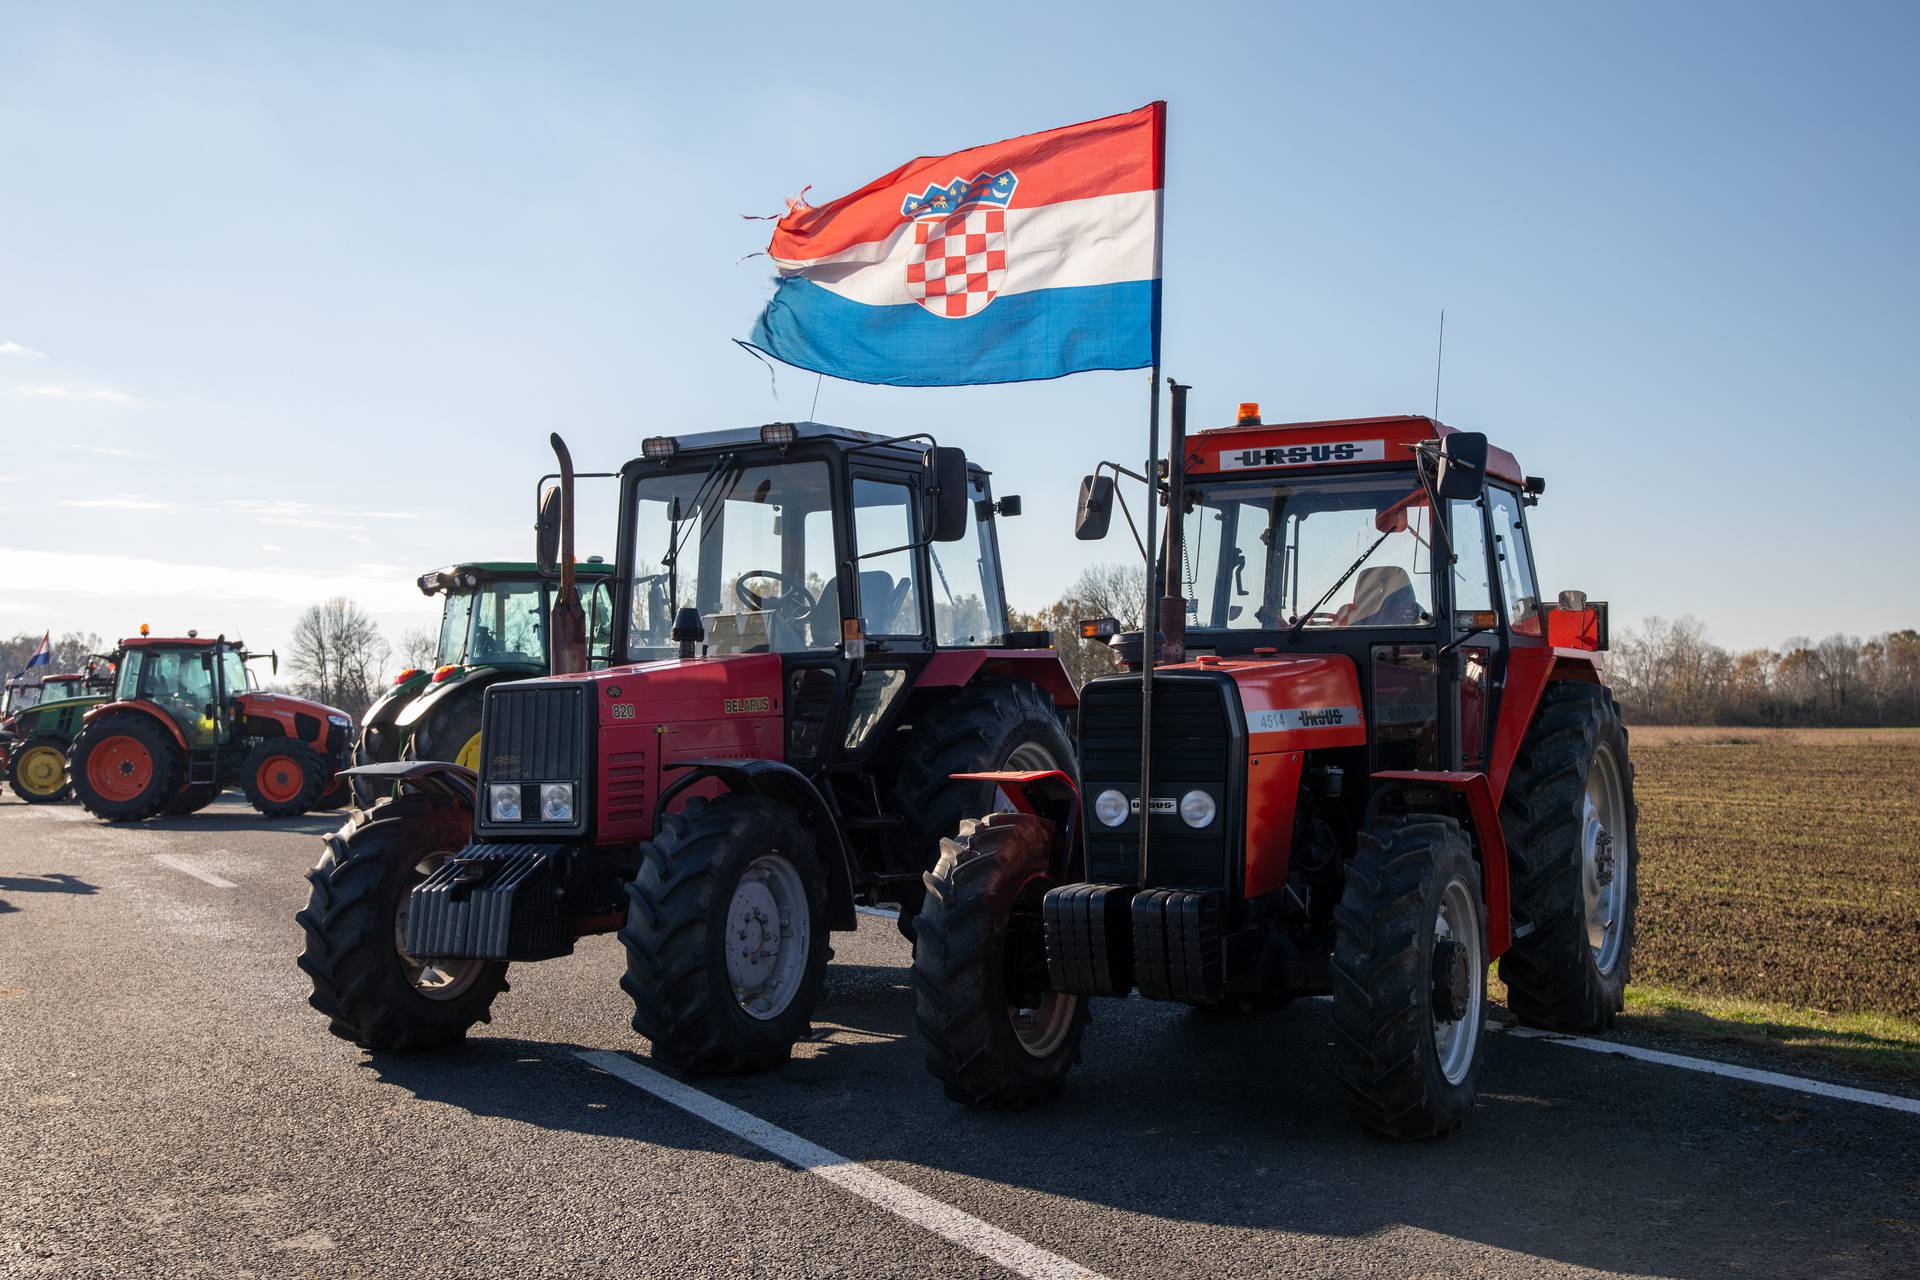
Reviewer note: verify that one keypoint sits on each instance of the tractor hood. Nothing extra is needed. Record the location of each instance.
(278, 705)
(1293, 703)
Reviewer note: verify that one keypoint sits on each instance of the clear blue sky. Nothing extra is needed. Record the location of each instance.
(291, 295)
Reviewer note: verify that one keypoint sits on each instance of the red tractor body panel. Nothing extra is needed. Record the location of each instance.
(1360, 441)
(952, 668)
(286, 711)
(653, 714)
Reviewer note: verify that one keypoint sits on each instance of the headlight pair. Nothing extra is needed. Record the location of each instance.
(1197, 808)
(556, 802)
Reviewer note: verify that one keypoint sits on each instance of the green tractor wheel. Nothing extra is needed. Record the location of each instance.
(37, 770)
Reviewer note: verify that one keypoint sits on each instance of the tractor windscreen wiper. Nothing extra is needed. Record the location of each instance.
(1339, 582)
(675, 542)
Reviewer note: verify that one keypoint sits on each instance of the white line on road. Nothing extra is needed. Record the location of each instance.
(963, 1229)
(1799, 1084)
(181, 864)
(885, 913)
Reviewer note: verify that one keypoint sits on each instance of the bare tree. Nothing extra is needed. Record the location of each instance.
(337, 655)
(419, 647)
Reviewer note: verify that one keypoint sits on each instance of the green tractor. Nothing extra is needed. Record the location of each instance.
(39, 717)
(493, 627)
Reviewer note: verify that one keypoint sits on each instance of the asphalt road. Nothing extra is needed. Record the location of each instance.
(170, 1106)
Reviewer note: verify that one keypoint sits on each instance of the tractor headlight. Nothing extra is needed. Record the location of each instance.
(503, 802)
(1197, 809)
(1110, 807)
(556, 802)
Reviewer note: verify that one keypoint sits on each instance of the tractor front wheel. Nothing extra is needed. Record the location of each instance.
(282, 777)
(125, 767)
(37, 770)
(1410, 977)
(371, 990)
(726, 936)
(995, 1035)
(1570, 821)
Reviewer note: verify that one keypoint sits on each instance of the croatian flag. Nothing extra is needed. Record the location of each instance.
(43, 655)
(1031, 258)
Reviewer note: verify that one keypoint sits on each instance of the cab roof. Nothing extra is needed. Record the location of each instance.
(178, 642)
(749, 438)
(489, 570)
(1230, 449)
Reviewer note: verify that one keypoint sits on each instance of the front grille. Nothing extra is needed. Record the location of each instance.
(1193, 747)
(534, 731)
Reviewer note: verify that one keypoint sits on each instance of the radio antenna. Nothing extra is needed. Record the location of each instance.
(1439, 353)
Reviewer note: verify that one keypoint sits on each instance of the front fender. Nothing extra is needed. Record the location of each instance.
(435, 777)
(475, 678)
(777, 780)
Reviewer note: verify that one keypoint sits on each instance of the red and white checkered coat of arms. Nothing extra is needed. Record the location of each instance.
(959, 254)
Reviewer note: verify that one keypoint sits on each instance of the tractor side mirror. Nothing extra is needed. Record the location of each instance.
(1096, 508)
(547, 527)
(947, 485)
(1463, 465)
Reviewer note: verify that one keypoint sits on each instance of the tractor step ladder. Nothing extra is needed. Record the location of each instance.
(203, 767)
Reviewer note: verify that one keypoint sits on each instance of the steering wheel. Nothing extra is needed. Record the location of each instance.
(793, 603)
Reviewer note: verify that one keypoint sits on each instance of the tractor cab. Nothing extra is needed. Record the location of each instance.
(38, 718)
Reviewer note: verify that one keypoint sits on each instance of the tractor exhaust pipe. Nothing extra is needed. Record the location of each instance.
(1173, 604)
(567, 635)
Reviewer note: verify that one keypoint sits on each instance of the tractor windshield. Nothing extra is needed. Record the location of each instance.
(750, 547)
(59, 690)
(1338, 552)
(500, 622)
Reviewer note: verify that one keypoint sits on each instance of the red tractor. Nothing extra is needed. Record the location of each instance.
(809, 641)
(1378, 762)
(185, 723)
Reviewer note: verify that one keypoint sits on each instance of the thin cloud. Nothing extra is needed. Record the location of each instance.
(310, 515)
(93, 395)
(123, 502)
(20, 352)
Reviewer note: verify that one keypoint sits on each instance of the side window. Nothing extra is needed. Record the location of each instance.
(823, 582)
(967, 606)
(1472, 581)
(1516, 566)
(127, 685)
(883, 523)
(600, 626)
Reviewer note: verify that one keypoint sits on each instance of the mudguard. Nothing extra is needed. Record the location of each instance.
(1490, 842)
(435, 777)
(779, 781)
(471, 678)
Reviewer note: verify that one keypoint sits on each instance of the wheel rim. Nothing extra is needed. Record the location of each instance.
(468, 757)
(1028, 757)
(1041, 1027)
(279, 779)
(436, 979)
(1604, 862)
(120, 768)
(43, 771)
(1458, 921)
(768, 935)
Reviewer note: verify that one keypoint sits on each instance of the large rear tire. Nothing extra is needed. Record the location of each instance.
(726, 936)
(995, 1036)
(1410, 977)
(1571, 825)
(125, 767)
(282, 777)
(372, 992)
(993, 723)
(37, 770)
(193, 799)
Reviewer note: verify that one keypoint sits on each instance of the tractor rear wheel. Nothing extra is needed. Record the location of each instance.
(37, 770)
(726, 936)
(452, 733)
(282, 777)
(994, 723)
(125, 766)
(192, 799)
(371, 990)
(1570, 821)
(996, 1037)
(1410, 977)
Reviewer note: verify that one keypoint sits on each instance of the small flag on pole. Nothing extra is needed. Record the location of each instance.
(44, 654)
(1025, 259)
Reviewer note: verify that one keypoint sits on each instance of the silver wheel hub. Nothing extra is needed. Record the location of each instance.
(1603, 877)
(1459, 943)
(767, 937)
(436, 978)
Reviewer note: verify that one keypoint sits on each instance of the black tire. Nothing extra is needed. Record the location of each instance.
(979, 939)
(984, 726)
(338, 795)
(193, 799)
(168, 763)
(1553, 977)
(676, 936)
(33, 748)
(1385, 956)
(366, 791)
(447, 730)
(285, 758)
(360, 977)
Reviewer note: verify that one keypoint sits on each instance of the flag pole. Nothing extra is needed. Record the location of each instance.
(1150, 612)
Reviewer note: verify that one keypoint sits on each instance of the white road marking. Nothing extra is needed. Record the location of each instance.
(181, 864)
(963, 1229)
(1779, 1080)
(885, 913)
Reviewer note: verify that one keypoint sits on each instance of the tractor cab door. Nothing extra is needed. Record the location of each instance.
(184, 684)
(1479, 663)
(890, 599)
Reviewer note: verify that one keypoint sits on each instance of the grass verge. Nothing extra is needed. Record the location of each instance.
(1875, 1044)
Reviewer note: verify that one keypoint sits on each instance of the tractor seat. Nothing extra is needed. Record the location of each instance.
(880, 600)
(1382, 597)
